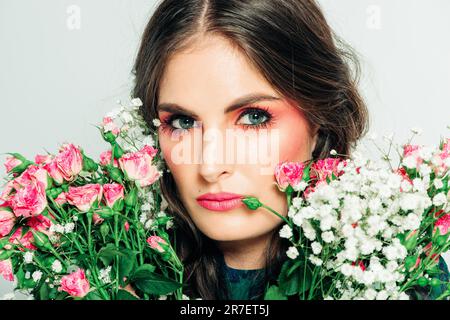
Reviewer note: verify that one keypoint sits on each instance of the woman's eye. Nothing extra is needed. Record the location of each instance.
(253, 117)
(185, 123)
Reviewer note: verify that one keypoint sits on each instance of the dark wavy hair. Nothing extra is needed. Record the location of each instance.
(294, 48)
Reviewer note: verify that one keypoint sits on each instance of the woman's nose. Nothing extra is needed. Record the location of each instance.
(213, 164)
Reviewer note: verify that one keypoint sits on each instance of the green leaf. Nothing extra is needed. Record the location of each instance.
(107, 254)
(127, 262)
(152, 283)
(274, 293)
(5, 254)
(93, 295)
(125, 295)
(295, 282)
(44, 293)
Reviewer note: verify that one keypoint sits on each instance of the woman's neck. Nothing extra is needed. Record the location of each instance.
(248, 254)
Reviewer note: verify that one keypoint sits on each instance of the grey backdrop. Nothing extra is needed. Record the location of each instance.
(63, 64)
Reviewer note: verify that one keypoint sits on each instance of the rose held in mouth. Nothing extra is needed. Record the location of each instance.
(220, 201)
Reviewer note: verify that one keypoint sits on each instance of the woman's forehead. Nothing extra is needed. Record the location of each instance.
(212, 75)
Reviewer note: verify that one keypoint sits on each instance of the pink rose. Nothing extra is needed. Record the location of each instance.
(11, 163)
(75, 284)
(42, 159)
(7, 221)
(110, 126)
(84, 197)
(138, 166)
(326, 168)
(29, 200)
(155, 241)
(25, 240)
(105, 159)
(40, 223)
(289, 173)
(67, 164)
(32, 173)
(127, 226)
(112, 192)
(6, 270)
(443, 224)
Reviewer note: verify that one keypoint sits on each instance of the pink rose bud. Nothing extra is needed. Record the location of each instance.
(53, 171)
(443, 224)
(155, 241)
(23, 240)
(110, 126)
(75, 284)
(7, 191)
(6, 270)
(112, 192)
(42, 159)
(427, 250)
(138, 166)
(105, 159)
(61, 199)
(84, 197)
(7, 221)
(289, 173)
(29, 200)
(127, 226)
(11, 163)
(97, 219)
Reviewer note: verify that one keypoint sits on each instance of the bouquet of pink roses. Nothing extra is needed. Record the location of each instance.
(71, 227)
(360, 229)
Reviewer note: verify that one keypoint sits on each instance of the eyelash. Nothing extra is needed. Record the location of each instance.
(167, 126)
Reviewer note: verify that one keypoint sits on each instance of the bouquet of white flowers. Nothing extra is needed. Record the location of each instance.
(366, 230)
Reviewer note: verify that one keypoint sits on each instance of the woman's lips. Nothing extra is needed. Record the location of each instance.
(223, 201)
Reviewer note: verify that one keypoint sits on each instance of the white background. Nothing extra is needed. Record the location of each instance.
(57, 81)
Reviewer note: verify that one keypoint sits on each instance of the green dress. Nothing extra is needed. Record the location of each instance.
(250, 284)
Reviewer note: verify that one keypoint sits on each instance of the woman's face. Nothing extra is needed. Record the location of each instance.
(198, 132)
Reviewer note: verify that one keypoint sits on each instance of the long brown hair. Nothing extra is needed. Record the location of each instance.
(294, 48)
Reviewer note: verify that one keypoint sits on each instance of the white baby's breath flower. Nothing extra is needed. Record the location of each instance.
(333, 152)
(328, 236)
(163, 297)
(292, 252)
(286, 231)
(104, 275)
(75, 218)
(301, 186)
(136, 102)
(316, 260)
(410, 162)
(68, 227)
(37, 275)
(316, 247)
(156, 122)
(28, 257)
(57, 266)
(438, 184)
(439, 199)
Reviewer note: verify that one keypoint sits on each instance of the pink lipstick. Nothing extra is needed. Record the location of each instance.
(222, 201)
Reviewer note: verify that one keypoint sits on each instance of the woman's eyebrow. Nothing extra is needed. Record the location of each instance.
(236, 104)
